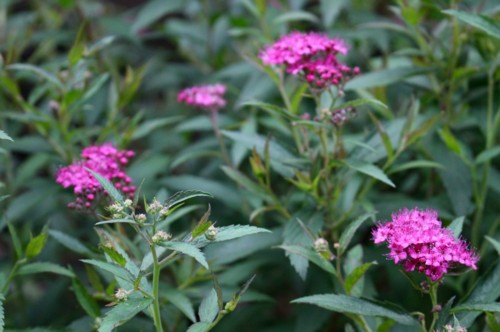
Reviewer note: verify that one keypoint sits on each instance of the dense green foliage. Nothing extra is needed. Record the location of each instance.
(248, 190)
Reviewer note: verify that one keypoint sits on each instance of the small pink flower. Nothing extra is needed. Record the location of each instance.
(417, 240)
(105, 160)
(311, 55)
(208, 97)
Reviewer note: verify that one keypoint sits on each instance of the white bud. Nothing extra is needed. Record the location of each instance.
(211, 233)
(161, 236)
(128, 203)
(121, 294)
(320, 245)
(141, 218)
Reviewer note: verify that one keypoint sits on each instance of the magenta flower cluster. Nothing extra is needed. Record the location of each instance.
(311, 55)
(105, 160)
(417, 241)
(208, 97)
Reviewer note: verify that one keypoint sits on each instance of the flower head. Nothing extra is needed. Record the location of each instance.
(105, 160)
(208, 97)
(417, 240)
(311, 55)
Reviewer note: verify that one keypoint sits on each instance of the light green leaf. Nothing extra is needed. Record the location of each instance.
(182, 196)
(312, 256)
(44, 267)
(484, 307)
(495, 243)
(36, 244)
(179, 300)
(456, 226)
(348, 233)
(487, 24)
(370, 170)
(354, 305)
(123, 312)
(108, 186)
(70, 242)
(248, 184)
(3, 135)
(354, 276)
(116, 221)
(487, 155)
(199, 327)
(187, 249)
(114, 255)
(227, 233)
(209, 307)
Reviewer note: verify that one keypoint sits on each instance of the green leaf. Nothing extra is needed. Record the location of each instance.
(36, 244)
(456, 226)
(182, 196)
(484, 23)
(44, 267)
(495, 243)
(70, 242)
(199, 327)
(415, 164)
(179, 300)
(384, 77)
(85, 299)
(348, 233)
(202, 226)
(370, 170)
(484, 307)
(114, 255)
(292, 16)
(108, 186)
(37, 71)
(15, 240)
(359, 102)
(354, 305)
(487, 155)
(123, 312)
(271, 109)
(330, 10)
(78, 48)
(2, 313)
(115, 270)
(450, 140)
(148, 127)
(227, 233)
(209, 307)
(354, 276)
(248, 184)
(153, 11)
(312, 256)
(485, 291)
(187, 249)
(3, 135)
(116, 221)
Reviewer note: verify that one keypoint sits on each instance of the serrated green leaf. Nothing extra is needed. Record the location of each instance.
(123, 312)
(70, 242)
(114, 255)
(348, 233)
(354, 305)
(3, 135)
(182, 196)
(227, 233)
(354, 276)
(108, 186)
(179, 300)
(85, 299)
(456, 226)
(199, 327)
(487, 155)
(370, 170)
(481, 22)
(44, 267)
(115, 270)
(312, 256)
(187, 249)
(36, 244)
(209, 307)
(484, 307)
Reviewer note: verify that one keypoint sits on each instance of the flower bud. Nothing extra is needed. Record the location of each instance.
(164, 212)
(141, 218)
(161, 236)
(230, 306)
(121, 294)
(154, 207)
(322, 248)
(211, 233)
(128, 203)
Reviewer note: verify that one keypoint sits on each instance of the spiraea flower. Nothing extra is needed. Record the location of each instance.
(207, 97)
(311, 55)
(417, 241)
(105, 160)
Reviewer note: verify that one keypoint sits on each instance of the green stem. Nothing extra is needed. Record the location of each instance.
(225, 154)
(433, 295)
(156, 295)
(12, 275)
(288, 105)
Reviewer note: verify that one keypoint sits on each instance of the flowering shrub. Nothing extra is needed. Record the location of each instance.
(336, 114)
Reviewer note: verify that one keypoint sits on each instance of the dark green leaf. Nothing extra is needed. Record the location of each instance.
(70, 242)
(354, 276)
(85, 299)
(311, 255)
(487, 24)
(44, 267)
(37, 71)
(115, 270)
(487, 155)
(495, 243)
(383, 77)
(370, 170)
(456, 226)
(179, 300)
(248, 184)
(292, 16)
(484, 307)
(415, 164)
(354, 305)
(182, 196)
(348, 233)
(187, 249)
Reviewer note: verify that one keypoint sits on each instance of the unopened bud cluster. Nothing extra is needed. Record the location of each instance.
(121, 294)
(161, 236)
(321, 246)
(211, 233)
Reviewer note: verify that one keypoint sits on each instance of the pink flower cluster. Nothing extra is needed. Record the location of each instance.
(417, 241)
(105, 160)
(311, 55)
(208, 97)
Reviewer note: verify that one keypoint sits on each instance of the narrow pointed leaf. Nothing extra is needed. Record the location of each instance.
(108, 186)
(311, 255)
